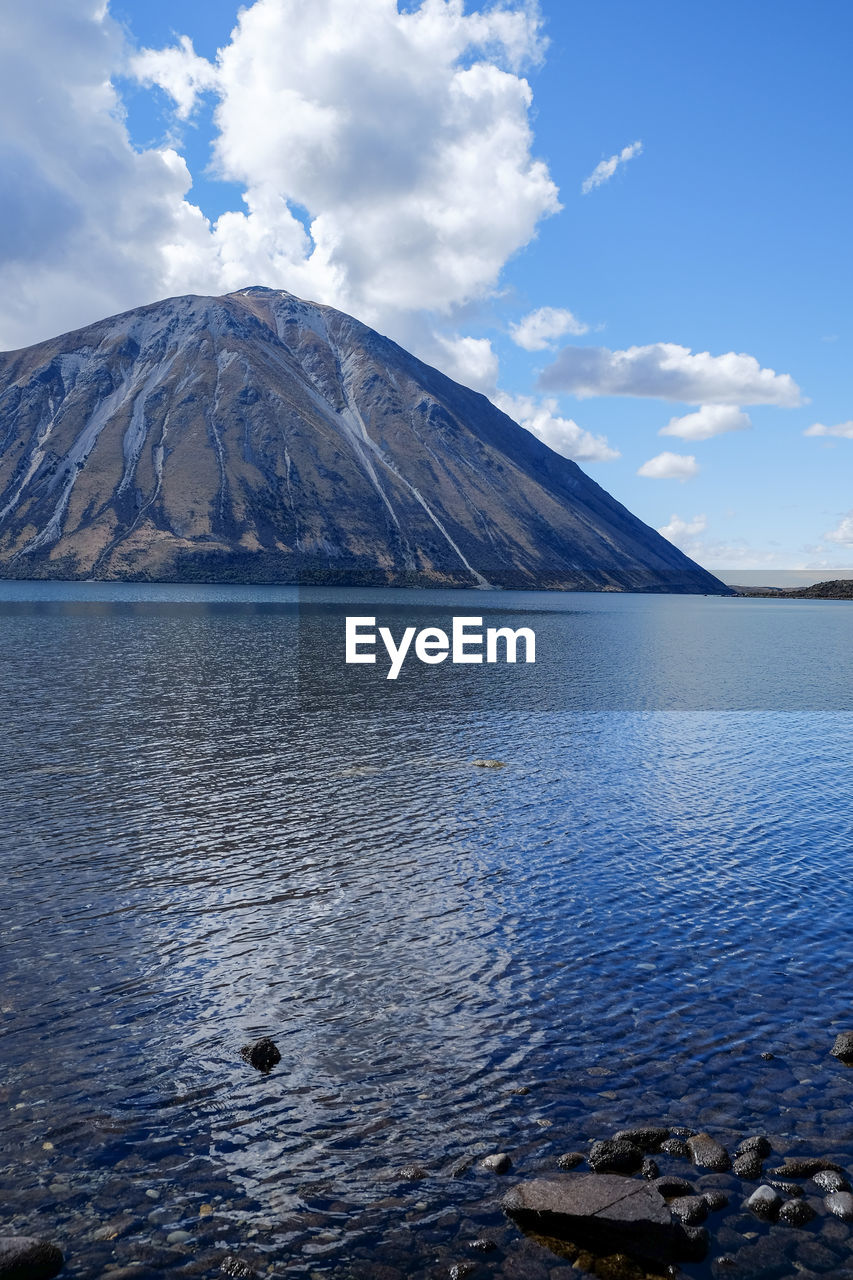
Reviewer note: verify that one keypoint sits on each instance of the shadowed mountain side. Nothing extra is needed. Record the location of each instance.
(259, 438)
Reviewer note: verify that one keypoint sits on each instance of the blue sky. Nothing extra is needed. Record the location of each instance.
(423, 167)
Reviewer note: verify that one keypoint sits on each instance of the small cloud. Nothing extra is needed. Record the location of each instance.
(709, 420)
(563, 435)
(605, 169)
(842, 429)
(681, 531)
(538, 330)
(844, 533)
(179, 71)
(666, 371)
(670, 466)
(471, 361)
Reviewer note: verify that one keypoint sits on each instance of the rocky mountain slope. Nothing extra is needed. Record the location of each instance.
(256, 437)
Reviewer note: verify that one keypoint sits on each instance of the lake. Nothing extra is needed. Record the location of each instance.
(214, 830)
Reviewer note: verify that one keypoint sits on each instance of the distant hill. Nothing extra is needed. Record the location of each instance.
(835, 589)
(259, 438)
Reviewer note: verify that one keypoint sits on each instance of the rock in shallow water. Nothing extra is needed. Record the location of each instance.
(843, 1047)
(765, 1203)
(263, 1054)
(615, 1156)
(647, 1139)
(804, 1167)
(26, 1258)
(605, 1212)
(841, 1204)
(571, 1160)
(232, 1266)
(757, 1144)
(829, 1180)
(796, 1213)
(749, 1165)
(707, 1153)
(497, 1163)
(689, 1209)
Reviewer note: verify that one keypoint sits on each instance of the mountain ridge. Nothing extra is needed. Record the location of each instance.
(259, 437)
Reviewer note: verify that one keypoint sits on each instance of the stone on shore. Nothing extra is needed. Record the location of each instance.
(263, 1054)
(843, 1047)
(615, 1156)
(841, 1204)
(603, 1212)
(765, 1203)
(26, 1258)
(707, 1153)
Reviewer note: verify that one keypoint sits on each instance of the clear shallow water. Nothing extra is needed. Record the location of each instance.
(213, 830)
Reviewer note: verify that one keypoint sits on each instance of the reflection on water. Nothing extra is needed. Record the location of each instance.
(212, 831)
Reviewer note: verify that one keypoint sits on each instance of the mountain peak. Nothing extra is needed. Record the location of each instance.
(257, 436)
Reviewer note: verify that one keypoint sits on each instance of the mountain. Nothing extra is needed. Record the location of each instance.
(256, 437)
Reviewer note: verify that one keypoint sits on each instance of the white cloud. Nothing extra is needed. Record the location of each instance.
(843, 429)
(470, 361)
(179, 71)
(681, 532)
(709, 420)
(563, 435)
(605, 169)
(667, 371)
(670, 466)
(537, 330)
(844, 533)
(385, 159)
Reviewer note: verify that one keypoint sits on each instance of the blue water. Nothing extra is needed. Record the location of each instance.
(213, 830)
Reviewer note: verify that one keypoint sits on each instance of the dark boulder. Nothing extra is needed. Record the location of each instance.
(765, 1203)
(570, 1160)
(749, 1165)
(689, 1209)
(263, 1054)
(841, 1204)
(235, 1267)
(757, 1144)
(26, 1258)
(670, 1187)
(675, 1147)
(707, 1153)
(804, 1167)
(497, 1163)
(615, 1156)
(796, 1213)
(605, 1213)
(829, 1180)
(843, 1047)
(647, 1139)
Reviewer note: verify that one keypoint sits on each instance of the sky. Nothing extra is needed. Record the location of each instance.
(628, 225)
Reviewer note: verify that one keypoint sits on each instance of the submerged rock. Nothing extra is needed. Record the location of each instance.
(603, 1212)
(843, 1047)
(707, 1153)
(649, 1169)
(263, 1054)
(412, 1173)
(26, 1258)
(804, 1167)
(497, 1163)
(715, 1200)
(235, 1267)
(489, 764)
(670, 1187)
(615, 1155)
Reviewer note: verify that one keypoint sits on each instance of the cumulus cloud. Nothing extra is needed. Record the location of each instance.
(471, 361)
(385, 158)
(709, 420)
(605, 169)
(563, 435)
(667, 371)
(842, 429)
(681, 532)
(538, 330)
(670, 466)
(179, 71)
(843, 534)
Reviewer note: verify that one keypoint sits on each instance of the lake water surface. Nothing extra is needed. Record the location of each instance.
(213, 830)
